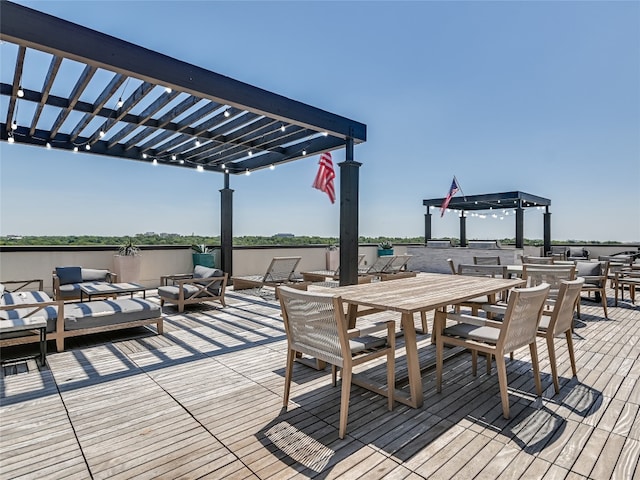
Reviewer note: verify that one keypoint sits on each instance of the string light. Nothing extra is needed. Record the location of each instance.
(227, 113)
(200, 168)
(11, 139)
(181, 162)
(197, 142)
(20, 91)
(247, 172)
(144, 156)
(304, 152)
(173, 157)
(155, 162)
(101, 133)
(250, 153)
(75, 149)
(167, 89)
(87, 147)
(48, 145)
(272, 167)
(282, 128)
(120, 103)
(14, 125)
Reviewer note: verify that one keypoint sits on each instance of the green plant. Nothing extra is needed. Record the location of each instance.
(128, 249)
(200, 248)
(386, 245)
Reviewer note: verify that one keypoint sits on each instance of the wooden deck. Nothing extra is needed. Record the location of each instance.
(204, 401)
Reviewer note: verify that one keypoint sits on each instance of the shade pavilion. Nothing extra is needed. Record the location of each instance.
(129, 102)
(517, 201)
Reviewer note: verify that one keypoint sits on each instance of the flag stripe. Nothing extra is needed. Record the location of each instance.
(325, 176)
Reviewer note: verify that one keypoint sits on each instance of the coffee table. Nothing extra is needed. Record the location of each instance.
(105, 289)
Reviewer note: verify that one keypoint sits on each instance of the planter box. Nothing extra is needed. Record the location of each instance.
(127, 267)
(385, 251)
(204, 259)
(333, 259)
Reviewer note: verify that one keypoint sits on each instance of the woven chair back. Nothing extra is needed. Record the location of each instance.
(522, 317)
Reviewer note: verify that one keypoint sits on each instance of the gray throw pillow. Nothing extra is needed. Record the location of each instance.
(588, 269)
(94, 275)
(205, 272)
(69, 275)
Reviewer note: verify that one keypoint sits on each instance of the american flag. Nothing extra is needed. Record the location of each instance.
(325, 176)
(452, 191)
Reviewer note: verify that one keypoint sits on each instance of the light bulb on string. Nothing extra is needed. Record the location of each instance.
(20, 91)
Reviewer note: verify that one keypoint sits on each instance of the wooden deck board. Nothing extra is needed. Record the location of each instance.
(205, 401)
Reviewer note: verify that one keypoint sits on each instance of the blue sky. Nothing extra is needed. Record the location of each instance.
(542, 97)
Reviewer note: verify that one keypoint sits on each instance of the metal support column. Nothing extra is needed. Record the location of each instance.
(427, 225)
(463, 230)
(349, 192)
(226, 227)
(519, 226)
(547, 230)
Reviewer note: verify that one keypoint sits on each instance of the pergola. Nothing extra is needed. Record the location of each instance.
(517, 201)
(133, 103)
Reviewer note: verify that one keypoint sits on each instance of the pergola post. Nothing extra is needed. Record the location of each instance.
(427, 225)
(463, 230)
(547, 230)
(226, 227)
(519, 226)
(349, 193)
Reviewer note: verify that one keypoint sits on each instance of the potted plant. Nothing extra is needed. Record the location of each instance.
(333, 257)
(202, 255)
(126, 264)
(385, 248)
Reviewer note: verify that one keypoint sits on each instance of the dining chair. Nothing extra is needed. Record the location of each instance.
(537, 260)
(559, 322)
(315, 325)
(518, 329)
(486, 260)
(492, 271)
(535, 274)
(452, 266)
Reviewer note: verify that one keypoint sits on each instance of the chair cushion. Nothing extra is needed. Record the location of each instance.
(69, 275)
(367, 342)
(108, 312)
(94, 275)
(173, 292)
(473, 332)
(200, 271)
(576, 252)
(50, 313)
(2, 289)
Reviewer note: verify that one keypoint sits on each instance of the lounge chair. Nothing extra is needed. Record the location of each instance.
(203, 285)
(323, 275)
(378, 266)
(397, 268)
(280, 271)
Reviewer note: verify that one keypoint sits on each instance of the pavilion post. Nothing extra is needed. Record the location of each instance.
(547, 230)
(427, 225)
(519, 226)
(349, 187)
(463, 230)
(226, 227)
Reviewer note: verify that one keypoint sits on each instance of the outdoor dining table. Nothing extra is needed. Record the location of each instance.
(408, 296)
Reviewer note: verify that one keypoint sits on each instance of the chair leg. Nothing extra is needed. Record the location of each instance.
(334, 375)
(287, 376)
(344, 400)
(572, 357)
(489, 363)
(603, 295)
(502, 381)
(391, 378)
(439, 347)
(536, 366)
(552, 361)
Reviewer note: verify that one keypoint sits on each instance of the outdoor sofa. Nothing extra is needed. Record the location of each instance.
(74, 319)
(68, 280)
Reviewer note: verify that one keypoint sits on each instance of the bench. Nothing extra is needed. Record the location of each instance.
(74, 319)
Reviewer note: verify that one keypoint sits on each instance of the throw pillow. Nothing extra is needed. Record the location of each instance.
(69, 275)
(205, 272)
(94, 275)
(588, 269)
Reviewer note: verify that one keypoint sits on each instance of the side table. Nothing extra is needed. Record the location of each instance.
(26, 325)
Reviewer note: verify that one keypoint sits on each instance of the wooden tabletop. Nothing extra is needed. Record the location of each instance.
(427, 291)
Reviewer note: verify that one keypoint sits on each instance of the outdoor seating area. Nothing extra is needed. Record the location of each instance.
(98, 392)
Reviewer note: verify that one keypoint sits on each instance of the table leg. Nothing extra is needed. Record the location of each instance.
(43, 347)
(352, 313)
(413, 361)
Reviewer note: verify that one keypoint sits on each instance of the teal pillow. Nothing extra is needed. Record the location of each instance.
(69, 275)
